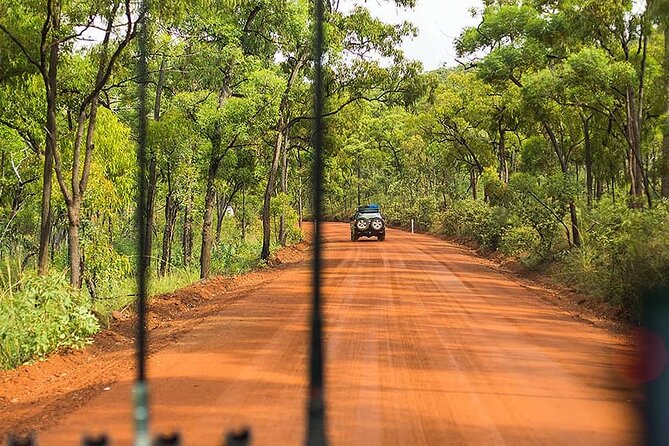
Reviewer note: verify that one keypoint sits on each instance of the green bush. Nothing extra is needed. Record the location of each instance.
(625, 253)
(104, 265)
(232, 255)
(474, 220)
(421, 211)
(464, 218)
(494, 227)
(281, 205)
(495, 189)
(41, 315)
(541, 205)
(520, 241)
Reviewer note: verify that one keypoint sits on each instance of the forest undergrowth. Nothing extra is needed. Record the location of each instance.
(43, 314)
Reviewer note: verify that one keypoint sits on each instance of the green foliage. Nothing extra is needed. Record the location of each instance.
(282, 205)
(495, 189)
(465, 218)
(473, 220)
(539, 203)
(226, 80)
(626, 253)
(39, 315)
(104, 264)
(520, 151)
(520, 241)
(495, 153)
(422, 211)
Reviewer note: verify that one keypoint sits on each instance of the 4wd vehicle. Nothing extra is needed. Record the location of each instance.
(368, 222)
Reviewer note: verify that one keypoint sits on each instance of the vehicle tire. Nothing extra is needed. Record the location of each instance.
(362, 224)
(381, 237)
(376, 224)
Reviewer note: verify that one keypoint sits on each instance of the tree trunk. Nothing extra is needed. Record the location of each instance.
(473, 182)
(575, 231)
(664, 166)
(220, 215)
(171, 210)
(638, 175)
(74, 194)
(151, 187)
(187, 235)
(282, 128)
(576, 234)
(599, 188)
(300, 204)
(284, 189)
(244, 213)
(152, 180)
(636, 183)
(208, 220)
(503, 162)
(588, 160)
(51, 83)
(74, 249)
(269, 190)
(45, 219)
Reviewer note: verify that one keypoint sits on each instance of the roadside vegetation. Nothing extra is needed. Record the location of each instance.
(548, 144)
(229, 133)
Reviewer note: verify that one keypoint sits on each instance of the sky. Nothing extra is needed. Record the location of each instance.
(439, 22)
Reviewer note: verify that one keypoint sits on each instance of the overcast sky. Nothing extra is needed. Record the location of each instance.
(439, 22)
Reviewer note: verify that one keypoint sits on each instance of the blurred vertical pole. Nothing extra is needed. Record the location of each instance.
(316, 411)
(654, 360)
(141, 408)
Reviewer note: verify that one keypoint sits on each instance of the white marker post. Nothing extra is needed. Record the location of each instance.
(412, 226)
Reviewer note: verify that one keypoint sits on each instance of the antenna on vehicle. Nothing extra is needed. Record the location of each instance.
(141, 407)
(316, 408)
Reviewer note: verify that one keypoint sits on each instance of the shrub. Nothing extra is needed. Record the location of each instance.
(103, 265)
(231, 254)
(625, 253)
(474, 220)
(464, 218)
(281, 204)
(538, 206)
(40, 315)
(520, 241)
(493, 228)
(422, 212)
(495, 189)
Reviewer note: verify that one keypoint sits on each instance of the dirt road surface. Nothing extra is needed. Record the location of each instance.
(425, 346)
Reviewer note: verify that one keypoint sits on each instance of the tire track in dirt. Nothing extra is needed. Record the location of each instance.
(424, 346)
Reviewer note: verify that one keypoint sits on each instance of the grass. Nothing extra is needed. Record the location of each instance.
(39, 315)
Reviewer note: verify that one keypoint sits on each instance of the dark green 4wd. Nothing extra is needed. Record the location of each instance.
(368, 222)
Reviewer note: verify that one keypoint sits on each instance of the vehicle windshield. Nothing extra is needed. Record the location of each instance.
(369, 214)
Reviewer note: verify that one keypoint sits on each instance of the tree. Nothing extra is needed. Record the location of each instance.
(49, 33)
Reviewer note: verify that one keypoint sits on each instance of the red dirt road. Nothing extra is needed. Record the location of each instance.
(425, 346)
